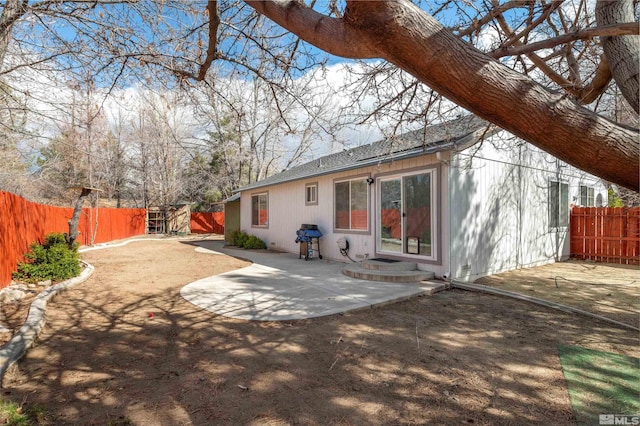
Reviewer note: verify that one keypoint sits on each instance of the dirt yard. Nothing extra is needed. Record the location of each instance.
(605, 289)
(125, 348)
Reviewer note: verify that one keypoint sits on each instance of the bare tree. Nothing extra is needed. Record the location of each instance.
(114, 163)
(257, 128)
(15, 159)
(158, 153)
(543, 62)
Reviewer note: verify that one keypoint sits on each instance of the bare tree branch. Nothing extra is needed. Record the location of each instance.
(630, 28)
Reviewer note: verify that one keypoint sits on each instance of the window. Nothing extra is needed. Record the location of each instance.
(351, 204)
(586, 196)
(599, 201)
(311, 194)
(260, 209)
(558, 204)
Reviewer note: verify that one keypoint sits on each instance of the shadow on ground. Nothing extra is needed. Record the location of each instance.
(452, 358)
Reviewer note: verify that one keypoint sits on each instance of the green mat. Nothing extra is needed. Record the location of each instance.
(600, 383)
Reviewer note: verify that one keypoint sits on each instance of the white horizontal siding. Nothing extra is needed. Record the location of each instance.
(287, 211)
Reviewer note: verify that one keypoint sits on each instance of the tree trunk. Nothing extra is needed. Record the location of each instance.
(13, 10)
(406, 36)
(623, 52)
(75, 219)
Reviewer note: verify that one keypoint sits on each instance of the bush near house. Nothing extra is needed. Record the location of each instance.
(246, 241)
(234, 237)
(254, 242)
(52, 260)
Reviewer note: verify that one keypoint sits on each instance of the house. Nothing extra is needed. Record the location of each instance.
(462, 198)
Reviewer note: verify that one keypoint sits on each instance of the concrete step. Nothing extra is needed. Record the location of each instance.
(382, 265)
(355, 270)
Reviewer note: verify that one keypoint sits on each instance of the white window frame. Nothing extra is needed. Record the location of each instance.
(434, 214)
(259, 195)
(311, 194)
(368, 204)
(587, 196)
(557, 218)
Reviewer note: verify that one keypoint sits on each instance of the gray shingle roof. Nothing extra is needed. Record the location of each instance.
(445, 136)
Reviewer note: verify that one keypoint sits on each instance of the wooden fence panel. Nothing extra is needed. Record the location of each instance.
(207, 223)
(22, 222)
(606, 234)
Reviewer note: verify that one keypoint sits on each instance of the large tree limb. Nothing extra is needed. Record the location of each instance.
(212, 44)
(598, 84)
(623, 53)
(332, 35)
(411, 39)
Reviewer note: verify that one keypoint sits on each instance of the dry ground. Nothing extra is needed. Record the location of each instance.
(453, 358)
(606, 289)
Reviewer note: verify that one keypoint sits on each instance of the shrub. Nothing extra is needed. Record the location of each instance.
(233, 237)
(254, 242)
(244, 240)
(52, 260)
(240, 239)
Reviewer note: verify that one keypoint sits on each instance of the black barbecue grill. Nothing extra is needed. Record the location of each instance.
(309, 238)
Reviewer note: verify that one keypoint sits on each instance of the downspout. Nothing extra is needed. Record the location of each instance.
(452, 160)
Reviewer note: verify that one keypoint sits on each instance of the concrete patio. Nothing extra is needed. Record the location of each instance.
(279, 286)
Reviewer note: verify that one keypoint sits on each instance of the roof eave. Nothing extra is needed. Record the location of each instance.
(456, 145)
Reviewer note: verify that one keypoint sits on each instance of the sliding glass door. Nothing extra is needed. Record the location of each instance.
(405, 218)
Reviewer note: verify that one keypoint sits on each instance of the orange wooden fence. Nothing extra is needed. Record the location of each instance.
(606, 234)
(22, 222)
(359, 219)
(418, 220)
(207, 223)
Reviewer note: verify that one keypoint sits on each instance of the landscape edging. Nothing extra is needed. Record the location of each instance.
(15, 349)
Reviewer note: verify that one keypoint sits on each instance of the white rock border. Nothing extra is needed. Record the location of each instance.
(15, 349)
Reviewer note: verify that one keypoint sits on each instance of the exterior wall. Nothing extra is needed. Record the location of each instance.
(231, 218)
(287, 212)
(500, 209)
(493, 209)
